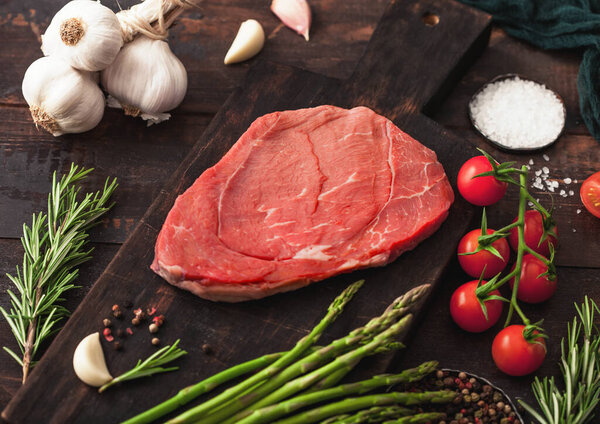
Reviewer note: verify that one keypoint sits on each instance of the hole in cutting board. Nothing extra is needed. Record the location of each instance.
(430, 19)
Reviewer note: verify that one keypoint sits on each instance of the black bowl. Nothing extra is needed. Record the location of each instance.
(497, 143)
(486, 381)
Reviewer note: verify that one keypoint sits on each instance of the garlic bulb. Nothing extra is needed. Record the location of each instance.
(62, 99)
(146, 79)
(295, 14)
(89, 363)
(249, 40)
(85, 33)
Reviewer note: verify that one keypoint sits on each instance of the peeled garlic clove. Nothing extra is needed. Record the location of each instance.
(62, 99)
(89, 363)
(84, 33)
(249, 40)
(146, 79)
(295, 14)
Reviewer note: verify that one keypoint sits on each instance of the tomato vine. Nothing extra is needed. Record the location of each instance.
(508, 173)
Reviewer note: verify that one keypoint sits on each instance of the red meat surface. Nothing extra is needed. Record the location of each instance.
(302, 195)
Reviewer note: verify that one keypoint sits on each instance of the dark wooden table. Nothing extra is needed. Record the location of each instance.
(143, 158)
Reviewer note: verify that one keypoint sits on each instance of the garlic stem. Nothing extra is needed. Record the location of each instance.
(151, 18)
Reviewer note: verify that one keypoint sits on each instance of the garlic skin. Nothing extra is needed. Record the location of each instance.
(62, 99)
(89, 363)
(295, 14)
(248, 42)
(85, 33)
(146, 79)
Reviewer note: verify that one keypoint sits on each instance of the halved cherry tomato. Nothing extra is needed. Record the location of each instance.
(475, 263)
(516, 356)
(533, 232)
(466, 310)
(532, 287)
(590, 194)
(480, 191)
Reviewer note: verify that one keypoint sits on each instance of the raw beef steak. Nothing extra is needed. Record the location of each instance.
(303, 195)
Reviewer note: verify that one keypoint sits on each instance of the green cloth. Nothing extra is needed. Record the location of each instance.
(558, 24)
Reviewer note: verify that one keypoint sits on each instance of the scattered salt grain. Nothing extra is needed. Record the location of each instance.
(546, 157)
(545, 170)
(578, 211)
(571, 192)
(538, 172)
(567, 180)
(530, 161)
(518, 113)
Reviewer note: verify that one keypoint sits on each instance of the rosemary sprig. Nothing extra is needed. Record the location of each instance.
(152, 365)
(55, 245)
(580, 368)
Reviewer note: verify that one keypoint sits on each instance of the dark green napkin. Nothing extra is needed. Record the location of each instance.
(558, 24)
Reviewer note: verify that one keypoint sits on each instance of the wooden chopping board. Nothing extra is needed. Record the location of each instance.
(408, 67)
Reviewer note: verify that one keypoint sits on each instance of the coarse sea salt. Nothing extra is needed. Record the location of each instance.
(518, 113)
(542, 181)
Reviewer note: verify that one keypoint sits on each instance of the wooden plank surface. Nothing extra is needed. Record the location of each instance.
(30, 155)
(254, 326)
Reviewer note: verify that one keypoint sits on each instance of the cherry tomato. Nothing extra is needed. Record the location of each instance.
(474, 264)
(533, 233)
(590, 194)
(534, 289)
(480, 191)
(466, 310)
(514, 355)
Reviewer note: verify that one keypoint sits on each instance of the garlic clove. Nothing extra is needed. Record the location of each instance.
(85, 34)
(62, 99)
(295, 14)
(249, 40)
(146, 79)
(89, 363)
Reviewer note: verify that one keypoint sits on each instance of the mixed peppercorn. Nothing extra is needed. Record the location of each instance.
(139, 316)
(476, 401)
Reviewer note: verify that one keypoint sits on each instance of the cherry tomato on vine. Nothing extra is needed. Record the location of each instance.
(480, 191)
(590, 194)
(533, 231)
(516, 356)
(532, 287)
(466, 310)
(475, 263)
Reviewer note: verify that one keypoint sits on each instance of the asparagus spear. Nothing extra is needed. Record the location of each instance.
(371, 415)
(277, 410)
(364, 334)
(334, 310)
(305, 381)
(374, 414)
(355, 404)
(191, 392)
(423, 418)
(332, 379)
